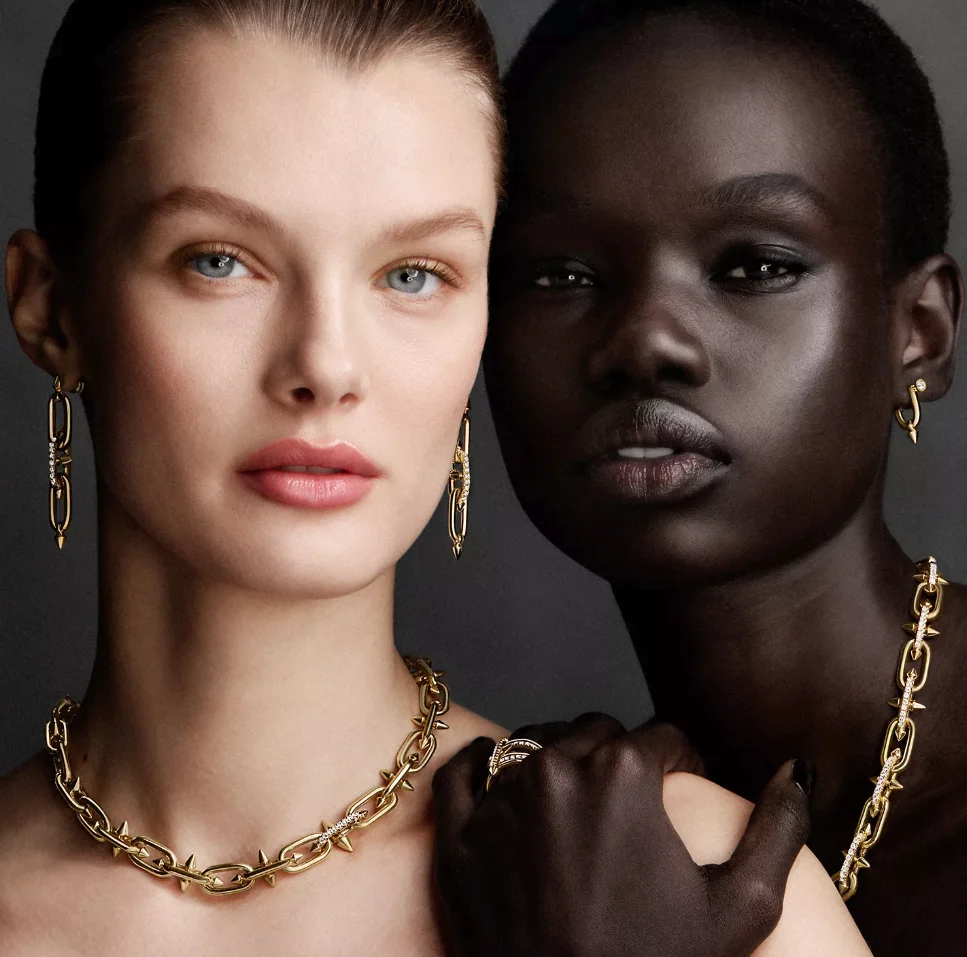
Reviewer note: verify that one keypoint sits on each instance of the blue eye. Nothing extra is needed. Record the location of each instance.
(220, 266)
(412, 281)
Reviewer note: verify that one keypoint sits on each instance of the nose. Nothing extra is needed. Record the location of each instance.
(651, 340)
(319, 357)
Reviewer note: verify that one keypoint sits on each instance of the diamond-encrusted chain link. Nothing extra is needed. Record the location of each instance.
(297, 856)
(912, 672)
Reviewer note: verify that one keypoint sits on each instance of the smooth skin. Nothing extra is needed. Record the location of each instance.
(247, 685)
(694, 229)
(236, 288)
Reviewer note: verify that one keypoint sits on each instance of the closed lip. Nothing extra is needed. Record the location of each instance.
(652, 423)
(339, 456)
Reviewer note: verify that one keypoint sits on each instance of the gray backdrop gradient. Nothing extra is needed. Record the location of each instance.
(523, 633)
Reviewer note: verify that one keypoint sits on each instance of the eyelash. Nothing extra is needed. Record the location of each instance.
(215, 249)
(794, 266)
(435, 267)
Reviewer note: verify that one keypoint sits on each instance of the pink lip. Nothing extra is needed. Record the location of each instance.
(354, 475)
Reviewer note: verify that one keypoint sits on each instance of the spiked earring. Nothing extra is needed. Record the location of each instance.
(910, 425)
(459, 488)
(59, 459)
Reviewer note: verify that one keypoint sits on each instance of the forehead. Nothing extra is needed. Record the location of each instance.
(316, 145)
(672, 106)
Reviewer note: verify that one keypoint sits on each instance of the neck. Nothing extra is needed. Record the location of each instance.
(795, 661)
(221, 720)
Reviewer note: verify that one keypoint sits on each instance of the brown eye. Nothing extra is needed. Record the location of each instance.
(761, 270)
(565, 276)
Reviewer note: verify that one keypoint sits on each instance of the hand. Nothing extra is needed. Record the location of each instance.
(571, 854)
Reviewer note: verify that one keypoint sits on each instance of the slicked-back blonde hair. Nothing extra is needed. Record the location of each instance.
(85, 97)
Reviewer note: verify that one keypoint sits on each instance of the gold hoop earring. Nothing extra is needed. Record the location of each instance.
(59, 460)
(910, 425)
(459, 488)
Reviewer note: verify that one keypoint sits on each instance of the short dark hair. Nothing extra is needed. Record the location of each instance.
(85, 91)
(879, 65)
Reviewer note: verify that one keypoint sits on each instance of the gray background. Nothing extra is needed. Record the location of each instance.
(523, 632)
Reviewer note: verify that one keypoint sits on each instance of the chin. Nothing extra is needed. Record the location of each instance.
(297, 572)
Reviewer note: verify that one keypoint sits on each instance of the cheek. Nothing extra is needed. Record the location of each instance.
(808, 410)
(170, 387)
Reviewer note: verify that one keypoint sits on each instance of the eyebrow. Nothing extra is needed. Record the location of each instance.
(217, 203)
(454, 220)
(747, 193)
(205, 200)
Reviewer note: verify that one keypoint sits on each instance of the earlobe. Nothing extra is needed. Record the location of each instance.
(927, 313)
(31, 287)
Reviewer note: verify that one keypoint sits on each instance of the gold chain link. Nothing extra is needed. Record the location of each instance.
(897, 747)
(297, 856)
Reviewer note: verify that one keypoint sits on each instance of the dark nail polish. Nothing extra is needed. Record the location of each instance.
(804, 774)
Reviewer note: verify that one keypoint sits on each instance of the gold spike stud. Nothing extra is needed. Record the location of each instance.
(342, 841)
(60, 539)
(184, 882)
(122, 833)
(263, 860)
(891, 785)
(929, 631)
(404, 784)
(438, 725)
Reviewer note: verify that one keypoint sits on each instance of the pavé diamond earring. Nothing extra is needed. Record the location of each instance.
(59, 459)
(910, 425)
(459, 489)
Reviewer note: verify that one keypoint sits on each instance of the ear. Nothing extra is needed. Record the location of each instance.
(927, 309)
(40, 320)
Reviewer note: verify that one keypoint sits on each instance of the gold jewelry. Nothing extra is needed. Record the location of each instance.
(459, 488)
(59, 459)
(911, 424)
(297, 856)
(509, 751)
(898, 743)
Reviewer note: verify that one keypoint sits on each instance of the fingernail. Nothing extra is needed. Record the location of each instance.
(804, 774)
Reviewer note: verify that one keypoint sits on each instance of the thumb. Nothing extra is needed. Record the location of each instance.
(757, 872)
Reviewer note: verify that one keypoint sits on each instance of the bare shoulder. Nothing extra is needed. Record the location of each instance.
(711, 821)
(464, 727)
(30, 834)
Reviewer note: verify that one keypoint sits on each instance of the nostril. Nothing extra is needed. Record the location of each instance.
(302, 395)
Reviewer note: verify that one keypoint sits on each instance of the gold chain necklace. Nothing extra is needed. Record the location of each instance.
(297, 856)
(897, 748)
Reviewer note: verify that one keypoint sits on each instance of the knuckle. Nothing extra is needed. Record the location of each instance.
(598, 723)
(762, 902)
(624, 759)
(542, 733)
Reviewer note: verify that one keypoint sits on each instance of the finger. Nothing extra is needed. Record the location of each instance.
(774, 836)
(576, 739)
(457, 787)
(668, 747)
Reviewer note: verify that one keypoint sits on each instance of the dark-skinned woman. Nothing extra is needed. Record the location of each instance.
(719, 282)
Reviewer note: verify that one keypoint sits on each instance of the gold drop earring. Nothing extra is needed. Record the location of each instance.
(459, 488)
(59, 460)
(910, 425)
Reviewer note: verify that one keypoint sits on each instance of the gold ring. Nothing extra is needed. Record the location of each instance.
(509, 751)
